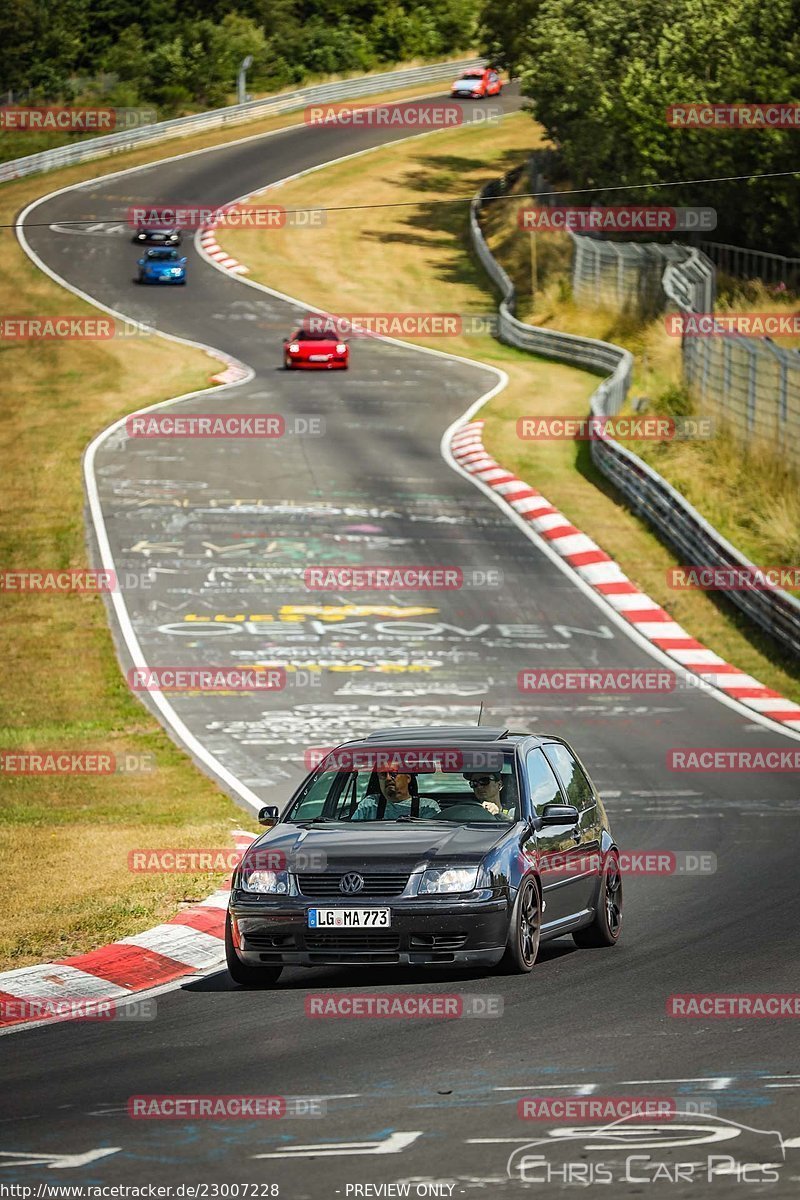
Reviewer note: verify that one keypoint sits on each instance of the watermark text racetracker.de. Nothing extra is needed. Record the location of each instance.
(400, 578)
(708, 578)
(401, 1006)
(429, 114)
(400, 324)
(79, 580)
(176, 860)
(741, 324)
(774, 114)
(63, 761)
(726, 759)
(623, 218)
(194, 216)
(631, 428)
(608, 680)
(224, 425)
(15, 1009)
(69, 329)
(223, 1107)
(72, 119)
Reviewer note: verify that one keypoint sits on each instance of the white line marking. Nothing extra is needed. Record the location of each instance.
(391, 1145)
(580, 1089)
(56, 1162)
(717, 1082)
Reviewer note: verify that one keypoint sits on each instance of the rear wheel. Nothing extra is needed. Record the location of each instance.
(243, 973)
(607, 924)
(525, 931)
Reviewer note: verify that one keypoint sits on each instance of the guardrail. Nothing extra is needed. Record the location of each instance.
(648, 493)
(234, 114)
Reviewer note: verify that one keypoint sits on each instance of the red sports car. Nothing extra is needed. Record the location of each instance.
(315, 351)
(476, 83)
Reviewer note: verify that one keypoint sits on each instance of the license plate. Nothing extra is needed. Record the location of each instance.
(318, 357)
(349, 918)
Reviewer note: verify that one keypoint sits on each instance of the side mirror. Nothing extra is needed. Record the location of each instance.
(559, 814)
(268, 815)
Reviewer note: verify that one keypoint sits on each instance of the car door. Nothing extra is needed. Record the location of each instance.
(579, 791)
(556, 844)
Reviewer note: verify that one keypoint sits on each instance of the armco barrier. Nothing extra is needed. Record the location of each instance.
(649, 494)
(234, 114)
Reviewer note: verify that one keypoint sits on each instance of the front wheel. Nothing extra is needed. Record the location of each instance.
(243, 973)
(607, 924)
(525, 930)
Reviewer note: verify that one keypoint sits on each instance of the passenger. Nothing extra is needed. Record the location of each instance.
(488, 789)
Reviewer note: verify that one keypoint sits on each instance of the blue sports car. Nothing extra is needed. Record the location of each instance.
(162, 264)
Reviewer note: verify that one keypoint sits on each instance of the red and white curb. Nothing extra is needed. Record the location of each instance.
(608, 580)
(191, 943)
(234, 372)
(208, 240)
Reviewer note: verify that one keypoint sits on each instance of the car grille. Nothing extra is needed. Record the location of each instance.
(436, 941)
(376, 883)
(356, 939)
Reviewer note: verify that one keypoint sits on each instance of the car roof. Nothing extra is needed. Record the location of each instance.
(437, 735)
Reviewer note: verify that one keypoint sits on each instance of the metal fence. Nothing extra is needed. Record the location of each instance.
(234, 114)
(748, 382)
(741, 263)
(648, 493)
(630, 275)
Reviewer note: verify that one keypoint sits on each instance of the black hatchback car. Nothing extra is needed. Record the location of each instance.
(428, 846)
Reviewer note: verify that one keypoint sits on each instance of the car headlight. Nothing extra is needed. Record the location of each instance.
(448, 879)
(266, 882)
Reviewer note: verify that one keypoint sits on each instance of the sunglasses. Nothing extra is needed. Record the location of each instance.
(482, 782)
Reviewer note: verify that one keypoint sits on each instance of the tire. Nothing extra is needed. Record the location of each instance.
(524, 931)
(607, 924)
(287, 366)
(243, 973)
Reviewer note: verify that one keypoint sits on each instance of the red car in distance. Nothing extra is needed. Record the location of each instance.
(315, 351)
(477, 83)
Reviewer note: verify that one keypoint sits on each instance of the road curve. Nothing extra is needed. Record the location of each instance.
(229, 527)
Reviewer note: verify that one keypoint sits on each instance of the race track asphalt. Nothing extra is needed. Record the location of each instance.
(229, 527)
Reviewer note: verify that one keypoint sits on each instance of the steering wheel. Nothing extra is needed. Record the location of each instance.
(468, 812)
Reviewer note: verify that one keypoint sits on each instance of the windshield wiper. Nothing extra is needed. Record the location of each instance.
(318, 821)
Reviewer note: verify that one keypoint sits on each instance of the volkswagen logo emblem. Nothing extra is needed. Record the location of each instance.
(350, 884)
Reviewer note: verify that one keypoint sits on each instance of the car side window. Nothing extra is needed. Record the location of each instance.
(569, 771)
(542, 783)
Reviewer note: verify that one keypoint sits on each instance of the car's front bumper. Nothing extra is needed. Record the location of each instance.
(424, 932)
(302, 364)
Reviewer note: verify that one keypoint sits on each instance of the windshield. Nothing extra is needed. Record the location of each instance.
(164, 255)
(481, 786)
(305, 335)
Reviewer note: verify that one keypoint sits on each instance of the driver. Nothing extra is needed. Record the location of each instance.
(398, 798)
(487, 788)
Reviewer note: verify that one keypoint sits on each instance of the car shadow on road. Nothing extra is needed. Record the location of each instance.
(298, 979)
